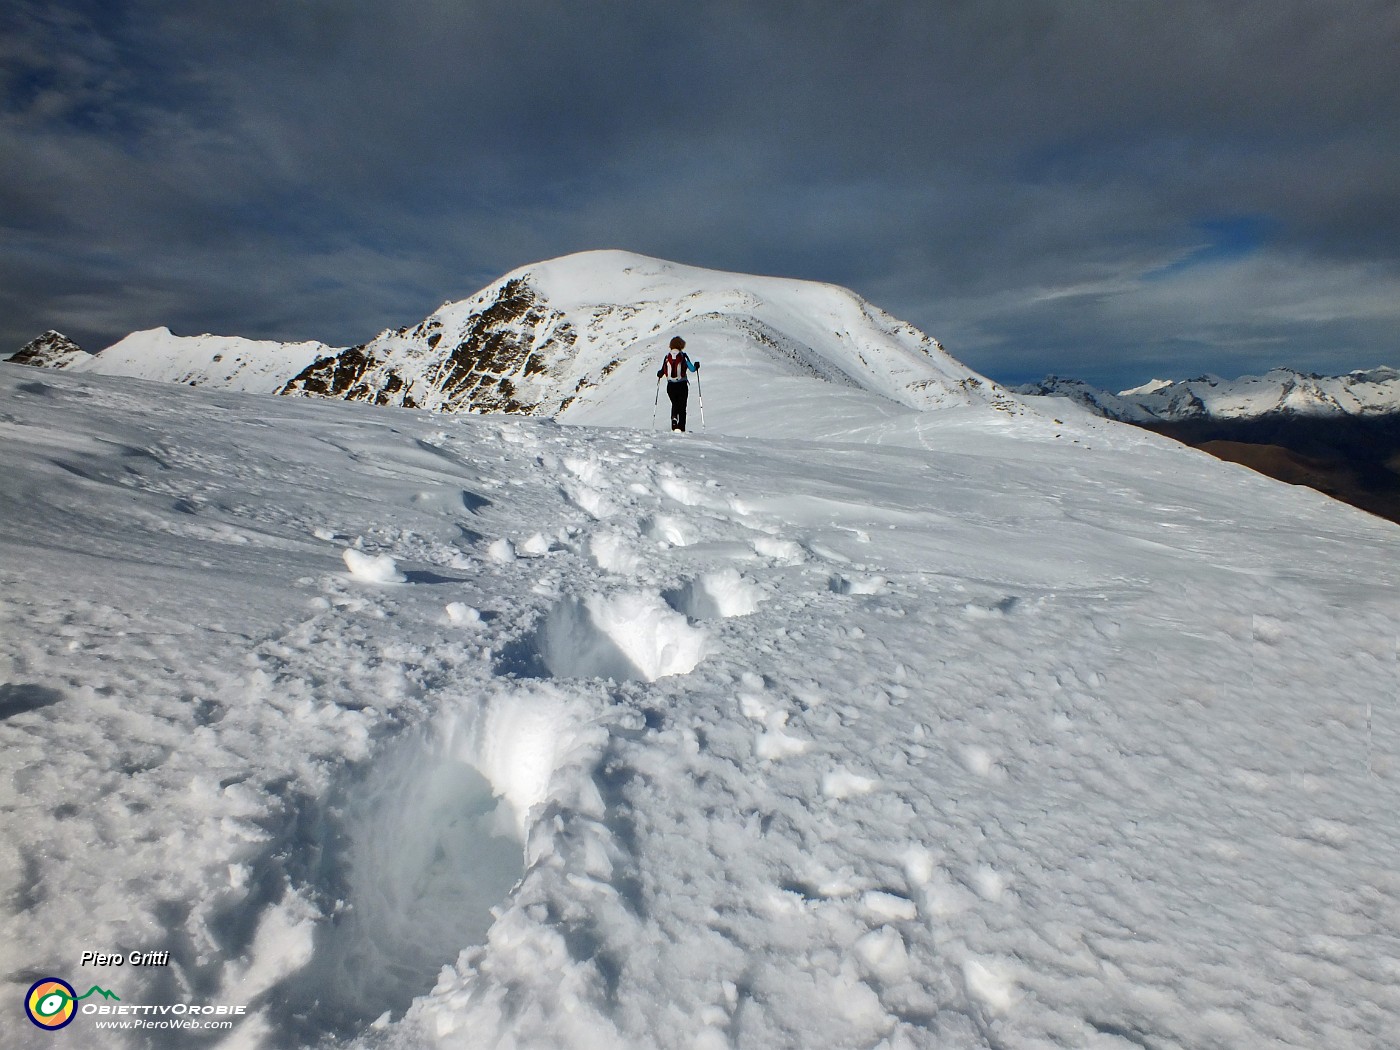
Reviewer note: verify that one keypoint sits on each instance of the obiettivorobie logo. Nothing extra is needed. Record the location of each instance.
(52, 1003)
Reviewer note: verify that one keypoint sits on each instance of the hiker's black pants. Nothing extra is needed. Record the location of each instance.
(678, 391)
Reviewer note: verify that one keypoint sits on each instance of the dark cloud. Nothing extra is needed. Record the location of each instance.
(1109, 191)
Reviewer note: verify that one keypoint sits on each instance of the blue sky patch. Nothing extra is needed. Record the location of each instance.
(1225, 240)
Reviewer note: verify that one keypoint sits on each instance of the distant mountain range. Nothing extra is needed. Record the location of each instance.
(1280, 392)
(1337, 434)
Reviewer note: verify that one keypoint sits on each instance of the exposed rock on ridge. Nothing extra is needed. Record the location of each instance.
(50, 350)
(498, 348)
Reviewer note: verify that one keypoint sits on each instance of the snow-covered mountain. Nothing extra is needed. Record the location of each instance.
(565, 337)
(580, 338)
(1280, 392)
(228, 362)
(1098, 402)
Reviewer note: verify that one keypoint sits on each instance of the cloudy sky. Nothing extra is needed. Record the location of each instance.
(1112, 190)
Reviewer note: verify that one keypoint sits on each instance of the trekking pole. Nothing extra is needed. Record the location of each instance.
(701, 393)
(655, 401)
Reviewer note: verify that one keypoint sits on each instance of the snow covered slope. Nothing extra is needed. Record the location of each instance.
(230, 362)
(1282, 391)
(966, 729)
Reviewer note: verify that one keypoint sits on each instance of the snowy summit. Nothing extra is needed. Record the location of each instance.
(884, 710)
(576, 338)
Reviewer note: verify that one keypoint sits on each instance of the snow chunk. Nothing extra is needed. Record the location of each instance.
(978, 760)
(919, 865)
(535, 546)
(990, 984)
(989, 883)
(460, 614)
(773, 745)
(887, 907)
(371, 568)
(842, 783)
(884, 954)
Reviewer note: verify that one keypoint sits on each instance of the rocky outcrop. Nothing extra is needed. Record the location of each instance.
(480, 362)
(50, 350)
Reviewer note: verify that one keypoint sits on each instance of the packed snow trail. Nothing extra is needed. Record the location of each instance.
(956, 729)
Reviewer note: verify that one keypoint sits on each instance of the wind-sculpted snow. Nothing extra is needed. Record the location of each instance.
(958, 729)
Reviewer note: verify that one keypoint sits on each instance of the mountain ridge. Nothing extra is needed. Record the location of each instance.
(566, 336)
(1280, 391)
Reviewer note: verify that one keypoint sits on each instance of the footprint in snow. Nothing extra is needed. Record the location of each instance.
(716, 595)
(681, 491)
(589, 470)
(628, 636)
(839, 584)
(612, 552)
(670, 530)
(588, 499)
(992, 610)
(784, 552)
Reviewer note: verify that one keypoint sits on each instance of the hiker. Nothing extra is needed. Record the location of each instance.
(674, 368)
